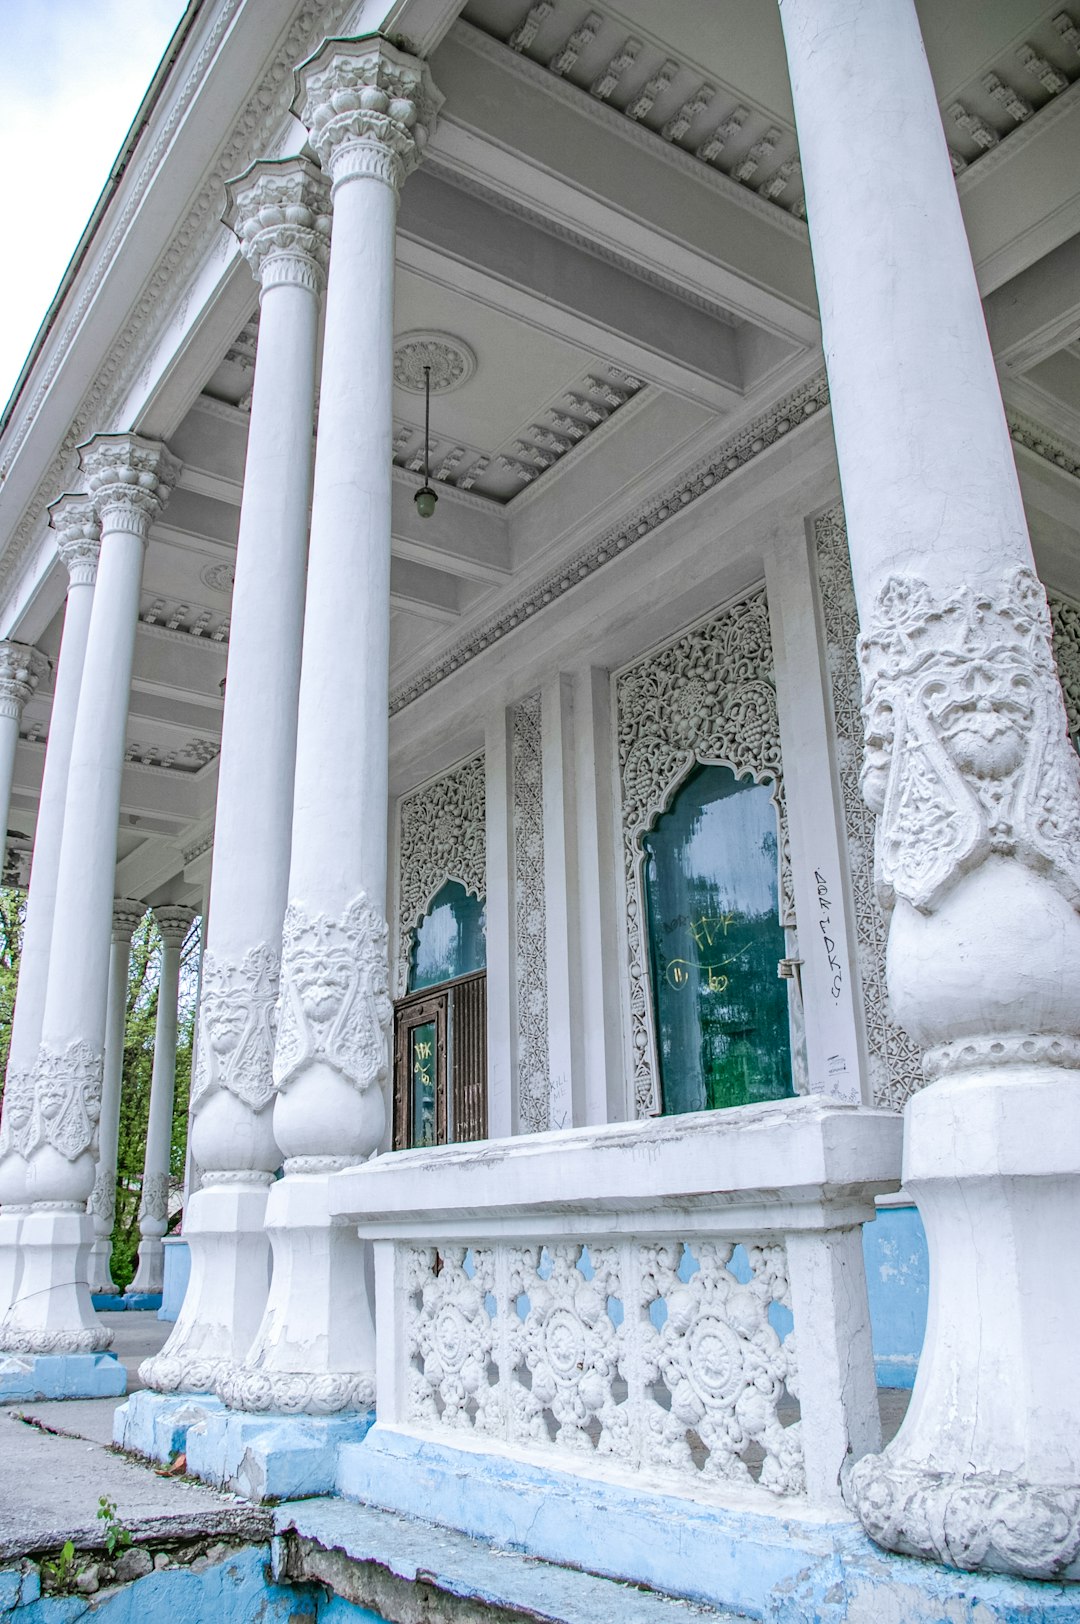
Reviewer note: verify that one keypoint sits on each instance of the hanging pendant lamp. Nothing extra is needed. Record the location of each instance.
(425, 497)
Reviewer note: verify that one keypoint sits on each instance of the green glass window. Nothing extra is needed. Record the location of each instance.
(715, 940)
(422, 1067)
(449, 941)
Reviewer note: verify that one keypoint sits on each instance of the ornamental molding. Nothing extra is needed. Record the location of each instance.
(1065, 621)
(992, 1522)
(129, 480)
(198, 238)
(279, 210)
(67, 1101)
(369, 108)
(17, 1125)
(1044, 443)
(451, 360)
(530, 920)
(334, 1004)
(16, 1339)
(155, 1197)
(173, 922)
(102, 1202)
(21, 670)
(78, 537)
(706, 697)
(967, 752)
(630, 129)
(895, 1067)
(235, 1048)
(294, 1392)
(442, 837)
(731, 455)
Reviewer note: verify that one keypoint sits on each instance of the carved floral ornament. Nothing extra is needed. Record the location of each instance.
(280, 211)
(129, 479)
(370, 108)
(334, 1004)
(708, 697)
(443, 837)
(235, 1051)
(451, 360)
(967, 751)
(78, 536)
(57, 1103)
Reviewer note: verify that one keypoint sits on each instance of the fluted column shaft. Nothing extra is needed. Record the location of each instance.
(129, 478)
(173, 924)
(977, 791)
(280, 211)
(369, 108)
(102, 1204)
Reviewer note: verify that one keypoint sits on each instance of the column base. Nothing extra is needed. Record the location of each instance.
(101, 1280)
(35, 1377)
(142, 1299)
(156, 1425)
(272, 1457)
(150, 1270)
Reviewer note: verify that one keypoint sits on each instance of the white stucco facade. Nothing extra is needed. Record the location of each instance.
(755, 430)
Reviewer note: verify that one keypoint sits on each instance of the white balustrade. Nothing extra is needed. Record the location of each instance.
(632, 1297)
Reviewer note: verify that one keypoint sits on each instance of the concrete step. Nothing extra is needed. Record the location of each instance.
(379, 1560)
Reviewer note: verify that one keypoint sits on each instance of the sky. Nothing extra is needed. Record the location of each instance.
(72, 75)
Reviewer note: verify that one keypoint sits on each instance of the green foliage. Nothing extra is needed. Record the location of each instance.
(142, 1005)
(117, 1537)
(60, 1574)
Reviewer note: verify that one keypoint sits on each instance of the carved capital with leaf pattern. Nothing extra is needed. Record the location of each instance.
(129, 480)
(78, 536)
(280, 211)
(370, 108)
(21, 669)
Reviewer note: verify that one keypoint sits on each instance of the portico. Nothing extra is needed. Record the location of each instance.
(589, 965)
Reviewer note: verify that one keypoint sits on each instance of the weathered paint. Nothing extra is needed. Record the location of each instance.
(897, 1282)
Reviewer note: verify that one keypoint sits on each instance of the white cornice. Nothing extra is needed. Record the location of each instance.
(627, 129)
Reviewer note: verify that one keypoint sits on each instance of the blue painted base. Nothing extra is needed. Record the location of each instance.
(898, 1284)
(143, 1300)
(234, 1591)
(108, 1302)
(781, 1562)
(33, 1377)
(177, 1274)
(272, 1457)
(155, 1425)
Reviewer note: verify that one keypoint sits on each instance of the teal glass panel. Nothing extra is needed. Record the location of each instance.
(422, 1071)
(715, 940)
(449, 941)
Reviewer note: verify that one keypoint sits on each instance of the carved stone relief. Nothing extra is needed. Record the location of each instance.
(895, 1066)
(443, 837)
(534, 1101)
(707, 697)
(983, 810)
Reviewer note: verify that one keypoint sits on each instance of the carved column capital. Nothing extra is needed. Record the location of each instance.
(280, 211)
(127, 914)
(78, 536)
(129, 480)
(370, 108)
(173, 923)
(21, 669)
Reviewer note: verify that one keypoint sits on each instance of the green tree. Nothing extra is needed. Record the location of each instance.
(142, 1005)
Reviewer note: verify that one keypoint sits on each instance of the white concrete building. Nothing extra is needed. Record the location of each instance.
(623, 880)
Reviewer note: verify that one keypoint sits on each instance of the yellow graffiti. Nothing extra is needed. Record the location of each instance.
(706, 929)
(423, 1051)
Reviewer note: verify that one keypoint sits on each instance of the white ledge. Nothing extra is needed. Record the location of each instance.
(790, 1164)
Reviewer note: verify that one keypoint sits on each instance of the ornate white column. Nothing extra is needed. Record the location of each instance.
(102, 1203)
(370, 109)
(78, 537)
(129, 479)
(173, 923)
(977, 792)
(280, 211)
(21, 669)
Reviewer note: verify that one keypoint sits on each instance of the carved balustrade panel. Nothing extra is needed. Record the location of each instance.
(707, 697)
(660, 1356)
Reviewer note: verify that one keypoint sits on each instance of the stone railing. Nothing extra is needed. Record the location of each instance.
(633, 1296)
